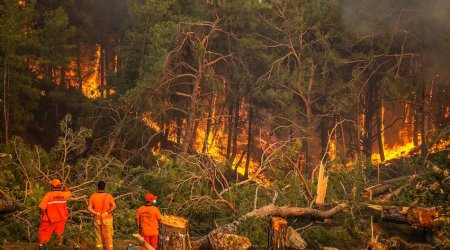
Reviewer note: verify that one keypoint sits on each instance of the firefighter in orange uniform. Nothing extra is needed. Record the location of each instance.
(101, 205)
(54, 212)
(147, 218)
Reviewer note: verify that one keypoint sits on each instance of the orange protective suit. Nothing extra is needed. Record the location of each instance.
(54, 216)
(148, 217)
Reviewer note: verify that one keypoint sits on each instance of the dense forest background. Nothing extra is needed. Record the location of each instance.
(215, 106)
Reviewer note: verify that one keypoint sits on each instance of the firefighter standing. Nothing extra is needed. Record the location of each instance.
(54, 213)
(147, 218)
(101, 205)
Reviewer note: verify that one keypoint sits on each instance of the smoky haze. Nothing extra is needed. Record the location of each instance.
(429, 20)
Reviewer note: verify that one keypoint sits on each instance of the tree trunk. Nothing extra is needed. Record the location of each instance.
(380, 133)
(249, 140)
(174, 232)
(278, 233)
(235, 125)
(179, 129)
(79, 74)
(212, 103)
(423, 146)
(102, 71)
(106, 69)
(62, 80)
(192, 112)
(368, 113)
(5, 102)
(230, 127)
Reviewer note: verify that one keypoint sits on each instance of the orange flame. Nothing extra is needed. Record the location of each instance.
(92, 83)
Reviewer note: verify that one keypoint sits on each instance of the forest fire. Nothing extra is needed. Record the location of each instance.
(92, 82)
(213, 147)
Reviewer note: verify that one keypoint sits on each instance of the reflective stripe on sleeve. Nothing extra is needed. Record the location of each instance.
(56, 202)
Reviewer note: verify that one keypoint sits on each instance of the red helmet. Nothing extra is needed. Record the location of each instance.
(150, 197)
(55, 183)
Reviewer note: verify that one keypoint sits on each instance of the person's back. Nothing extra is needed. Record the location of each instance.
(101, 202)
(55, 205)
(54, 213)
(101, 205)
(147, 218)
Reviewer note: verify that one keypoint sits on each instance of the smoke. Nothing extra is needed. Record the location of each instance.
(428, 20)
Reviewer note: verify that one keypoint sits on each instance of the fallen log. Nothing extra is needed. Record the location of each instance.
(384, 186)
(142, 242)
(269, 210)
(225, 241)
(223, 237)
(422, 217)
(175, 235)
(295, 241)
(272, 210)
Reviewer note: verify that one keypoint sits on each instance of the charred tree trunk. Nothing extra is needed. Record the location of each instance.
(423, 146)
(370, 107)
(212, 103)
(174, 232)
(230, 127)
(79, 76)
(278, 233)
(102, 70)
(5, 102)
(249, 140)
(62, 80)
(380, 134)
(192, 112)
(179, 129)
(324, 139)
(106, 66)
(235, 127)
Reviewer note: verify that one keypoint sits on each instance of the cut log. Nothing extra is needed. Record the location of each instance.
(422, 217)
(227, 241)
(223, 237)
(294, 240)
(142, 242)
(283, 237)
(389, 196)
(416, 216)
(385, 186)
(278, 233)
(174, 232)
(370, 192)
